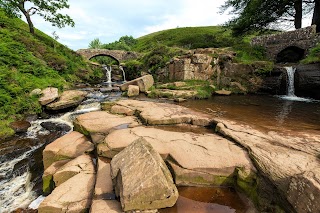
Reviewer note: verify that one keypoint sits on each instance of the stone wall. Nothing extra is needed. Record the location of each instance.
(304, 38)
(118, 55)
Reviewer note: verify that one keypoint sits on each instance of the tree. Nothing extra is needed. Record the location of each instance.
(259, 14)
(48, 9)
(95, 44)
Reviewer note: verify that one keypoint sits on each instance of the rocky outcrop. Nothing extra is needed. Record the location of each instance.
(133, 90)
(99, 124)
(153, 113)
(70, 98)
(291, 164)
(67, 147)
(307, 81)
(49, 95)
(142, 179)
(74, 195)
(145, 83)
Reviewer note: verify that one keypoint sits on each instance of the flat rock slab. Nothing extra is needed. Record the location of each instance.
(104, 187)
(74, 195)
(67, 147)
(167, 93)
(83, 163)
(70, 98)
(207, 156)
(49, 95)
(142, 179)
(153, 113)
(290, 167)
(99, 124)
(106, 206)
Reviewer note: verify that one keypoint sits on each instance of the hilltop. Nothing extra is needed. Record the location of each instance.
(28, 62)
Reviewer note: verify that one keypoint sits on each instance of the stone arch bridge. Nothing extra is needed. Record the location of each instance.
(119, 55)
(296, 44)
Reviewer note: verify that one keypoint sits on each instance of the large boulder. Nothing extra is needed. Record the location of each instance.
(49, 95)
(99, 124)
(145, 83)
(74, 195)
(142, 179)
(80, 164)
(133, 90)
(67, 147)
(70, 98)
(215, 160)
(307, 81)
(153, 113)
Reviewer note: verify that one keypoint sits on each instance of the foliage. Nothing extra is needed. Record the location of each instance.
(95, 44)
(313, 56)
(133, 69)
(48, 9)
(187, 37)
(125, 43)
(28, 62)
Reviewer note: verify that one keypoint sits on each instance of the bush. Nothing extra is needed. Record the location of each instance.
(133, 69)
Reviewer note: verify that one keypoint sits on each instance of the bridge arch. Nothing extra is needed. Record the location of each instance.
(118, 55)
(107, 55)
(291, 54)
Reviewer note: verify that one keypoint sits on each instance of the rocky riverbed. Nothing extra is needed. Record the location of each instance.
(273, 170)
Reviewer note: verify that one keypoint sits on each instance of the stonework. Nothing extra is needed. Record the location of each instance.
(118, 55)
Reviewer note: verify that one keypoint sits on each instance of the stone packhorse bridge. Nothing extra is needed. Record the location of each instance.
(118, 55)
(289, 46)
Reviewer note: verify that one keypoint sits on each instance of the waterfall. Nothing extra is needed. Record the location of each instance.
(290, 82)
(123, 73)
(108, 73)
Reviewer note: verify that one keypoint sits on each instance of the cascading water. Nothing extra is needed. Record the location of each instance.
(108, 73)
(123, 73)
(290, 83)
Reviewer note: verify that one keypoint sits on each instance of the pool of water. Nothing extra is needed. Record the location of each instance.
(269, 113)
(207, 200)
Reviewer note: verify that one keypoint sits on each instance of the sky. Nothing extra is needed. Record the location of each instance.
(109, 20)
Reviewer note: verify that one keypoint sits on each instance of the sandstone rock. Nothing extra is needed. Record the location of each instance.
(67, 147)
(47, 177)
(145, 83)
(180, 100)
(20, 126)
(80, 164)
(167, 93)
(106, 206)
(49, 95)
(153, 113)
(307, 82)
(215, 160)
(99, 124)
(116, 109)
(68, 99)
(179, 84)
(104, 187)
(142, 179)
(36, 92)
(222, 92)
(74, 195)
(133, 90)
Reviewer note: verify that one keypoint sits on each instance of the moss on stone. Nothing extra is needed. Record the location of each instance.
(48, 184)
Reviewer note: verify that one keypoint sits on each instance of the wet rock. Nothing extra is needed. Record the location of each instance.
(20, 126)
(67, 147)
(133, 91)
(70, 98)
(49, 95)
(307, 83)
(78, 165)
(215, 160)
(99, 124)
(142, 179)
(74, 195)
(153, 113)
(145, 83)
(223, 92)
(52, 126)
(180, 100)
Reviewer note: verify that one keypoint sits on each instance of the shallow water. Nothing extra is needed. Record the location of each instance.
(268, 113)
(207, 200)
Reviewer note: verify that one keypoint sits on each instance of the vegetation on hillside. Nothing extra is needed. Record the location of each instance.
(313, 56)
(28, 62)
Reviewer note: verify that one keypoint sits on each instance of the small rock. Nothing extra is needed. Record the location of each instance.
(54, 127)
(133, 91)
(20, 126)
(49, 95)
(223, 92)
(180, 100)
(36, 92)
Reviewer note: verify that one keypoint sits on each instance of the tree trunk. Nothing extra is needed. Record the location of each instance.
(316, 15)
(27, 15)
(298, 14)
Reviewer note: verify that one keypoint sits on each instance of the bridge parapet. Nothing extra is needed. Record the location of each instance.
(304, 38)
(119, 55)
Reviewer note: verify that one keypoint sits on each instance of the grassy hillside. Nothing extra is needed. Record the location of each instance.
(28, 62)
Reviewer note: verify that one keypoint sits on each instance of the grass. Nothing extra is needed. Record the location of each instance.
(313, 56)
(28, 62)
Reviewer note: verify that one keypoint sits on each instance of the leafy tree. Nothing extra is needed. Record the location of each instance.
(48, 9)
(259, 14)
(95, 44)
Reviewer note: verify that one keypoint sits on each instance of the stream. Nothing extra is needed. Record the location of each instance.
(21, 157)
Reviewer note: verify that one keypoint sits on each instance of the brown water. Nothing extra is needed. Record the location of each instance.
(266, 113)
(207, 200)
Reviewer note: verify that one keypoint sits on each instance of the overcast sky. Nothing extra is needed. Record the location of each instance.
(109, 20)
